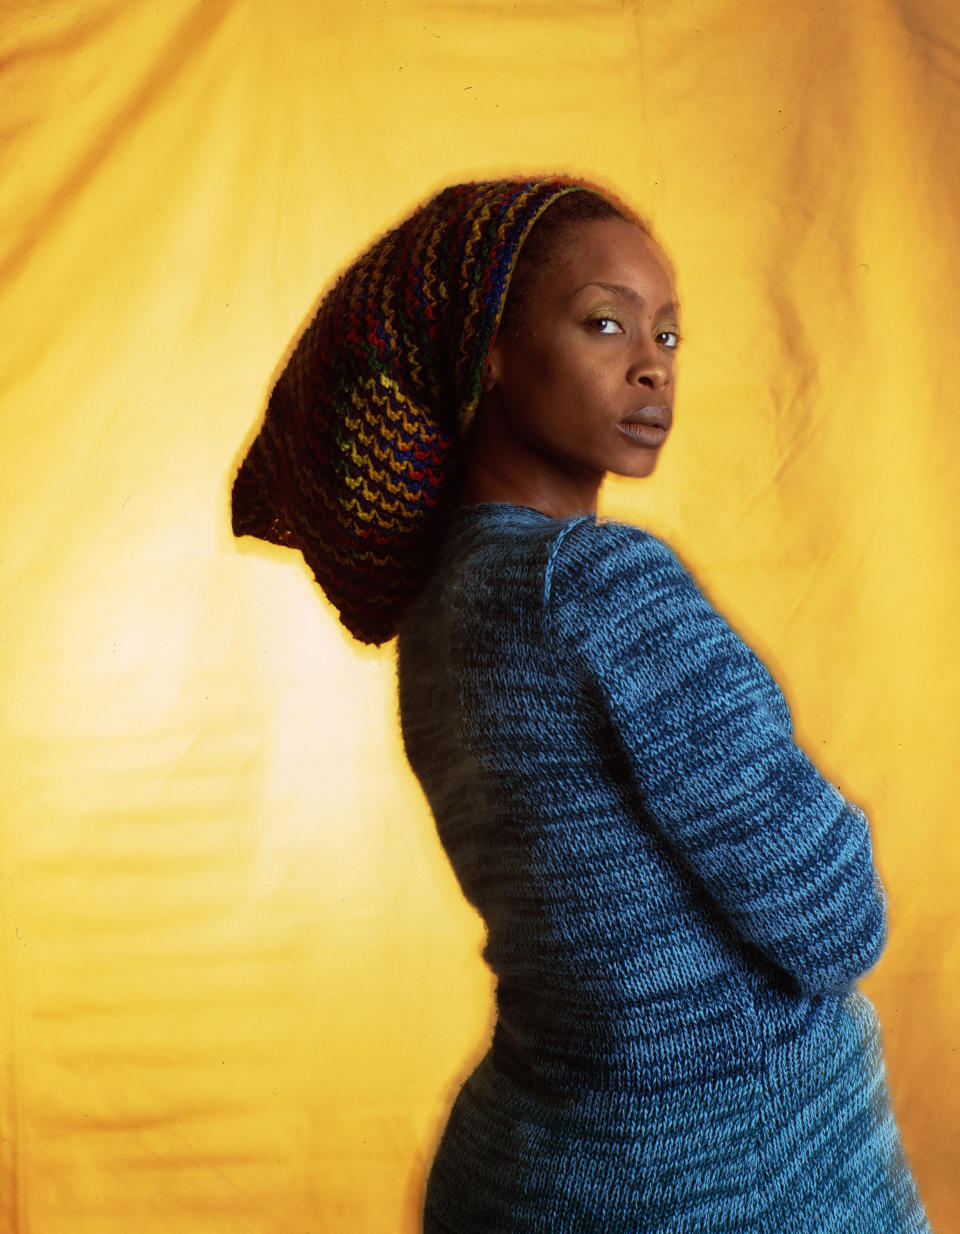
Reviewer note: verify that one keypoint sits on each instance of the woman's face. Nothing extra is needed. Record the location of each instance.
(593, 360)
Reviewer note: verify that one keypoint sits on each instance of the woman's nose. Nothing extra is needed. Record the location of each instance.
(649, 368)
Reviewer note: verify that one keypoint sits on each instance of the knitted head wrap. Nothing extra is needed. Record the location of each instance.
(355, 461)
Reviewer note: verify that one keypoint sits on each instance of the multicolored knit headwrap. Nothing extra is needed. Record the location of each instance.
(355, 461)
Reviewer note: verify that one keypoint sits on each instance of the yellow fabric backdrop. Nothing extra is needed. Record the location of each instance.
(239, 983)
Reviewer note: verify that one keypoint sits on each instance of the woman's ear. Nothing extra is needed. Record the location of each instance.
(493, 366)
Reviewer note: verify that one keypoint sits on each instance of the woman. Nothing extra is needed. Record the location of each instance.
(678, 904)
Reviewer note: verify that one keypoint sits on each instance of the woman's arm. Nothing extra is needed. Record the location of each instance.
(776, 845)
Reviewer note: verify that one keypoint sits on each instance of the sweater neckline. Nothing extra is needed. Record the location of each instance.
(503, 509)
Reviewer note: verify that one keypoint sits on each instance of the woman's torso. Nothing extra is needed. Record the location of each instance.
(632, 1018)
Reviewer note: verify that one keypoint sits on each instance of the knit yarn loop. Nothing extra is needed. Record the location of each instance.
(355, 460)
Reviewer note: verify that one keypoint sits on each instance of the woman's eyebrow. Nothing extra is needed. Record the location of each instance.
(628, 293)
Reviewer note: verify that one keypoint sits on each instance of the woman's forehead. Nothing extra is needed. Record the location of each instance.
(613, 254)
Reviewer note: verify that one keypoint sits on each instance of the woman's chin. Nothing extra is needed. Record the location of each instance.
(636, 468)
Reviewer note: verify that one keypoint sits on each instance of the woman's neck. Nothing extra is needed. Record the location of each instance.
(509, 471)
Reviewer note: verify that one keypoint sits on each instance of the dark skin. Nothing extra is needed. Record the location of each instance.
(562, 401)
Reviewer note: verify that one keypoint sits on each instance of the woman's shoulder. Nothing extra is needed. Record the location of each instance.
(597, 536)
(577, 562)
(593, 557)
(614, 590)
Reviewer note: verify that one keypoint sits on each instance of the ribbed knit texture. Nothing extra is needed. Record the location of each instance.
(678, 904)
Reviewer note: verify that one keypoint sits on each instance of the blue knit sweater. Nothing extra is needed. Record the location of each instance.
(678, 904)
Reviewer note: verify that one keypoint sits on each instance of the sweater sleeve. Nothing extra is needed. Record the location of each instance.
(707, 736)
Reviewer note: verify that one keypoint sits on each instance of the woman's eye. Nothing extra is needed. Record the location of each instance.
(672, 335)
(606, 325)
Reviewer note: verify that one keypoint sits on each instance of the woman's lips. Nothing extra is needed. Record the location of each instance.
(645, 434)
(649, 425)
